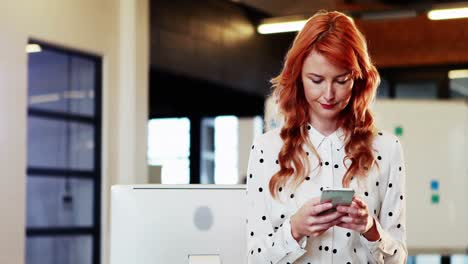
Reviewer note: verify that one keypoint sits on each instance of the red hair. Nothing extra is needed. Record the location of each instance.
(335, 36)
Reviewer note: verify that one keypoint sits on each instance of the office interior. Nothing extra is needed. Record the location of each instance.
(113, 92)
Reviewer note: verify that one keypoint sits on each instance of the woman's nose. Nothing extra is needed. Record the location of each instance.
(329, 93)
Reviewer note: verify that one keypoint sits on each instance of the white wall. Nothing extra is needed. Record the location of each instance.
(435, 146)
(118, 31)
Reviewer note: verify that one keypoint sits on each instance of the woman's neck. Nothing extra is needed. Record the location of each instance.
(325, 127)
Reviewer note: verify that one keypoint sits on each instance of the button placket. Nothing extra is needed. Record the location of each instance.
(337, 160)
(327, 181)
(331, 178)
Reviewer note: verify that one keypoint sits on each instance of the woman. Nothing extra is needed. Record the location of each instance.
(328, 140)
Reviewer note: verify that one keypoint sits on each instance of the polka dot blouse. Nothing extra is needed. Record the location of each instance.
(268, 220)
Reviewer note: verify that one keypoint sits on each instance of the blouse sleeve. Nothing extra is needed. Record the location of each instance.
(391, 223)
(265, 243)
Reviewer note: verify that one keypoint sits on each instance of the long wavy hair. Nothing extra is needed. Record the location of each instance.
(336, 37)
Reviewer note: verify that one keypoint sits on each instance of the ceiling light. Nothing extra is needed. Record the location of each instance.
(452, 13)
(32, 48)
(280, 25)
(458, 74)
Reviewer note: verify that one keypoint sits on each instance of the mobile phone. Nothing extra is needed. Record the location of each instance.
(337, 196)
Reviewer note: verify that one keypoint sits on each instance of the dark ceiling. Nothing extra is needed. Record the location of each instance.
(308, 7)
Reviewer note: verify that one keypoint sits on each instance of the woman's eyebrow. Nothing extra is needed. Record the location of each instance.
(320, 76)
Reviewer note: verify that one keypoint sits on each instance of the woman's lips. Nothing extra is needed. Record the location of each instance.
(327, 106)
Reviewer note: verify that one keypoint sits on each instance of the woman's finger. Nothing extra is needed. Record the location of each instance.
(359, 202)
(317, 209)
(353, 220)
(346, 209)
(326, 218)
(320, 227)
(359, 212)
(354, 204)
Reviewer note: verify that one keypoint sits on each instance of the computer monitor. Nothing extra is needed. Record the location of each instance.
(178, 224)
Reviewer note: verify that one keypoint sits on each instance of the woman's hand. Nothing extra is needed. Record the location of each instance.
(308, 220)
(356, 217)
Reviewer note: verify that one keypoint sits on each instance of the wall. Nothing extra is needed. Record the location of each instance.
(416, 41)
(115, 30)
(214, 41)
(438, 156)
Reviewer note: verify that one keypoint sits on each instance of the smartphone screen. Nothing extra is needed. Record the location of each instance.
(337, 196)
(343, 196)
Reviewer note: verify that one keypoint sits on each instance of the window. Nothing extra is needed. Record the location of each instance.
(226, 134)
(169, 147)
(226, 142)
(383, 91)
(458, 83)
(417, 90)
(459, 259)
(424, 82)
(220, 144)
(64, 178)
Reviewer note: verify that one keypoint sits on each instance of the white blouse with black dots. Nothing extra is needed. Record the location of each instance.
(268, 220)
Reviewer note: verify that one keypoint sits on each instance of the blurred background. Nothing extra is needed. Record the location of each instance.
(97, 93)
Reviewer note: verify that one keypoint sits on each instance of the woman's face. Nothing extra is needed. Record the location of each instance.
(327, 87)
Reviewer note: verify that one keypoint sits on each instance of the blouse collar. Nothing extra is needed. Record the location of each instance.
(337, 137)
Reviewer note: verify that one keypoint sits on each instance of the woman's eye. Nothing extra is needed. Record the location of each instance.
(342, 82)
(316, 82)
